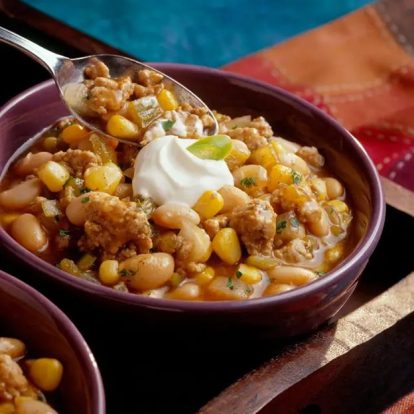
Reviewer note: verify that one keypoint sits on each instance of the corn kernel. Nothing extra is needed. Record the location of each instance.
(7, 219)
(46, 373)
(227, 246)
(264, 156)
(338, 205)
(86, 262)
(294, 194)
(238, 155)
(176, 279)
(206, 276)
(209, 204)
(262, 262)
(248, 274)
(108, 272)
(50, 144)
(104, 178)
(278, 147)
(167, 100)
(282, 174)
(336, 230)
(318, 186)
(74, 133)
(69, 266)
(335, 253)
(121, 127)
(53, 175)
(7, 408)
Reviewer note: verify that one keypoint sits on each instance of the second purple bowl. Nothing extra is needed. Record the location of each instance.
(47, 332)
(292, 313)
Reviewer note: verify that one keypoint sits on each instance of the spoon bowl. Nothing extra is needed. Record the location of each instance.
(69, 76)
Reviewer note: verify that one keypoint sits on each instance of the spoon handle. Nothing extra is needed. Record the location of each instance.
(51, 61)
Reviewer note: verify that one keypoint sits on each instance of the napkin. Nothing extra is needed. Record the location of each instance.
(360, 70)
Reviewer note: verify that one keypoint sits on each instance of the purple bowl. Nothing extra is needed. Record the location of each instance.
(48, 332)
(288, 314)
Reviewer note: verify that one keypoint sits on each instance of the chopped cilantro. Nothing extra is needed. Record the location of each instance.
(296, 177)
(64, 232)
(85, 200)
(167, 125)
(229, 283)
(294, 222)
(320, 273)
(248, 182)
(239, 274)
(281, 225)
(126, 272)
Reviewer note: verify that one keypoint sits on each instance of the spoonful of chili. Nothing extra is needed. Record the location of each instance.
(117, 96)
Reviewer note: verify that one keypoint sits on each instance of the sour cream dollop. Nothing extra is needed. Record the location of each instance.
(166, 171)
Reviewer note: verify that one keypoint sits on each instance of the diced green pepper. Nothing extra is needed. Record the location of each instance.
(215, 147)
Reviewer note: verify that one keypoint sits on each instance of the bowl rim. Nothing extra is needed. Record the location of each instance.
(74, 338)
(359, 255)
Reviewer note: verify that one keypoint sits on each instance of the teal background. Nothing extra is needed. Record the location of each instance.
(201, 32)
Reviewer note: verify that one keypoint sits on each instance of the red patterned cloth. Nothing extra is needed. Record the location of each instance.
(360, 70)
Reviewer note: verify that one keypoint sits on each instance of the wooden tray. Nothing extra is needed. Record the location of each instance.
(361, 364)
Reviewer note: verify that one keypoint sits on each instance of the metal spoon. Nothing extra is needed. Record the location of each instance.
(67, 72)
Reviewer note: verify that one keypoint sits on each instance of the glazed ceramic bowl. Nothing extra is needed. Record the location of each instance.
(47, 332)
(291, 313)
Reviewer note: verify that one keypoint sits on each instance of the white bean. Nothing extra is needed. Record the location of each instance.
(21, 195)
(173, 215)
(149, 271)
(30, 162)
(295, 162)
(276, 288)
(320, 227)
(291, 275)
(188, 291)
(334, 188)
(251, 178)
(197, 244)
(27, 231)
(233, 197)
(75, 211)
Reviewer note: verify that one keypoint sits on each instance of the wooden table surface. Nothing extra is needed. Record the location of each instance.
(165, 381)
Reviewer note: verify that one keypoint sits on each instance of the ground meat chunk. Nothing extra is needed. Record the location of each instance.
(77, 161)
(306, 208)
(311, 156)
(167, 242)
(255, 134)
(255, 222)
(96, 68)
(12, 381)
(149, 77)
(214, 224)
(149, 83)
(201, 112)
(297, 250)
(113, 225)
(108, 95)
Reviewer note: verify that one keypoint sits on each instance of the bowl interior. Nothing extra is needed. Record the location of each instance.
(234, 95)
(47, 332)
